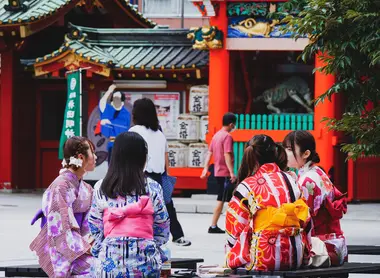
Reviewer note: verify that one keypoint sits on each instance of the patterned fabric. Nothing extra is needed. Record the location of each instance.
(168, 184)
(327, 206)
(128, 256)
(265, 247)
(62, 243)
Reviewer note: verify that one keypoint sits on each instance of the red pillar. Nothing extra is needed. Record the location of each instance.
(6, 120)
(219, 74)
(324, 138)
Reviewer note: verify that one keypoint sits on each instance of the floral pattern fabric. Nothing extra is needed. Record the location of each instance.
(128, 256)
(62, 243)
(264, 249)
(327, 206)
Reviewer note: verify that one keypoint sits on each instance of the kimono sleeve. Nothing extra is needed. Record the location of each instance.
(161, 223)
(311, 185)
(95, 220)
(238, 217)
(62, 227)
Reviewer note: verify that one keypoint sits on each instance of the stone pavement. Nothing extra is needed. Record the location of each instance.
(361, 226)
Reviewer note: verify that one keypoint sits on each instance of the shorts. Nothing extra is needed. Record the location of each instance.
(224, 192)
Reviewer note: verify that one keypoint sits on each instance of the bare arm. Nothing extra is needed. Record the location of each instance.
(230, 165)
(103, 100)
(207, 162)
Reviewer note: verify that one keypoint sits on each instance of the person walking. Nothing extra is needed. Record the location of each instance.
(221, 148)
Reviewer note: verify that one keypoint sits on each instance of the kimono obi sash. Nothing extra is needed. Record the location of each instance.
(79, 216)
(288, 215)
(133, 220)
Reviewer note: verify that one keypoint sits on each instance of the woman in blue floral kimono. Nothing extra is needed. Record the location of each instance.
(128, 217)
(63, 243)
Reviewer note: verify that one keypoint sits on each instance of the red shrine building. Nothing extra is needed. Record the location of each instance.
(247, 63)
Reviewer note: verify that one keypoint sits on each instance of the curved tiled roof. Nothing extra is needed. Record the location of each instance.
(38, 9)
(35, 9)
(131, 48)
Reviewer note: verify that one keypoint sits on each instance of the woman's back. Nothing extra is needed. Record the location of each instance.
(134, 254)
(157, 146)
(264, 222)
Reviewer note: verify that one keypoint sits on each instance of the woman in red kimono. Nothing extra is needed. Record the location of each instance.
(327, 204)
(266, 217)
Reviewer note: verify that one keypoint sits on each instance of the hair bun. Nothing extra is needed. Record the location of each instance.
(315, 158)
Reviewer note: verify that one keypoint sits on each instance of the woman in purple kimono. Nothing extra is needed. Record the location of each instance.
(63, 243)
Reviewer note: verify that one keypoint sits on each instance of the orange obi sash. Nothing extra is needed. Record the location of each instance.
(288, 215)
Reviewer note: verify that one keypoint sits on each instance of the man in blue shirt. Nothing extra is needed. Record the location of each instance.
(114, 117)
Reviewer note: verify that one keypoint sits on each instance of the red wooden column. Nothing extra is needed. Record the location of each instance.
(324, 138)
(219, 75)
(6, 120)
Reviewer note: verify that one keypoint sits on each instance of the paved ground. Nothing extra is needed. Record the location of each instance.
(361, 226)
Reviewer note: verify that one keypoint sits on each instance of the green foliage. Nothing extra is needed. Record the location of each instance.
(347, 32)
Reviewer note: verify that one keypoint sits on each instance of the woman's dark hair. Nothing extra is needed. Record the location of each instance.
(259, 150)
(144, 113)
(305, 140)
(125, 175)
(73, 147)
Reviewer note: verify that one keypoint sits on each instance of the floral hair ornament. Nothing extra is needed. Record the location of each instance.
(75, 161)
(64, 163)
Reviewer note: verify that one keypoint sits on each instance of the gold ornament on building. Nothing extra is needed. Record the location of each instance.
(251, 27)
(204, 38)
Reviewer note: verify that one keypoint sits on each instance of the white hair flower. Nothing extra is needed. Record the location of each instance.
(75, 161)
(64, 163)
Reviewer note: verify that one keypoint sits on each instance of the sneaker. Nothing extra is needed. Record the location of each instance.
(182, 242)
(215, 230)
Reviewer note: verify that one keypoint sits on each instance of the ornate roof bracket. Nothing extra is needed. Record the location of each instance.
(16, 6)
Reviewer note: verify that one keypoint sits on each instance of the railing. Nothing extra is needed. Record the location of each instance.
(276, 122)
(269, 122)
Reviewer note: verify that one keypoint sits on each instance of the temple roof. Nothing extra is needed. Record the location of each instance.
(129, 49)
(26, 13)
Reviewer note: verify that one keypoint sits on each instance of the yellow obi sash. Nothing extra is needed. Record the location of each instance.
(288, 215)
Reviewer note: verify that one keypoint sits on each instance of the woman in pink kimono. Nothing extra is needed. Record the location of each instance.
(63, 243)
(327, 204)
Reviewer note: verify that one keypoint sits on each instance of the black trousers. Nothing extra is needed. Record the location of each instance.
(175, 226)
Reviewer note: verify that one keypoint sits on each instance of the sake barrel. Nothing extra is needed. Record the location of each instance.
(198, 104)
(204, 128)
(197, 155)
(187, 128)
(177, 154)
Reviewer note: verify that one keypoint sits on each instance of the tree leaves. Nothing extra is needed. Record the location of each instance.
(348, 33)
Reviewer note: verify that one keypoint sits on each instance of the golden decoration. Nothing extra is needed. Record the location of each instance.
(204, 38)
(161, 75)
(251, 27)
(152, 67)
(162, 67)
(183, 66)
(142, 67)
(188, 75)
(173, 67)
(133, 75)
(174, 75)
(132, 67)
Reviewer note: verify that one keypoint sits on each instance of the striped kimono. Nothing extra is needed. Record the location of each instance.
(265, 223)
(62, 245)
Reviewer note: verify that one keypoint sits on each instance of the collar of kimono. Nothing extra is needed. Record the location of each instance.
(305, 168)
(71, 176)
(268, 168)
